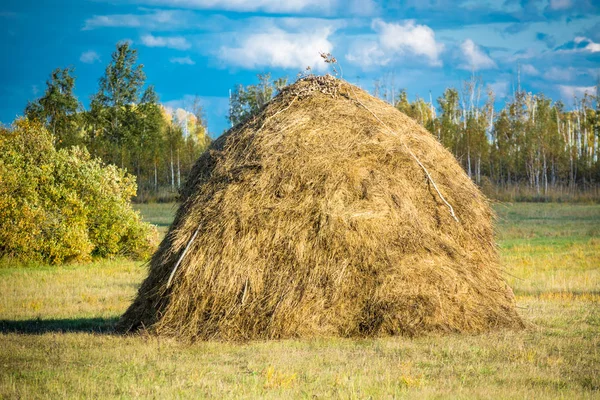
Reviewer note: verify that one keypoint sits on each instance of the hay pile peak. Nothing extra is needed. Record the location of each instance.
(327, 213)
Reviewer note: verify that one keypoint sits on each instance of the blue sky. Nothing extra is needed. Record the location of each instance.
(204, 47)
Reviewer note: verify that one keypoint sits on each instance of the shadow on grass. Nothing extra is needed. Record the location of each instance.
(104, 326)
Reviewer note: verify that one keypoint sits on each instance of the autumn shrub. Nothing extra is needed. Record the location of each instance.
(63, 205)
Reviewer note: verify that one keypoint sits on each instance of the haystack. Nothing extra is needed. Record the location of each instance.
(328, 213)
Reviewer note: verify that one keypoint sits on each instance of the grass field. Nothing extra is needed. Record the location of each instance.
(56, 341)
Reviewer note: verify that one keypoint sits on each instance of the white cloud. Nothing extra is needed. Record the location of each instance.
(580, 44)
(529, 69)
(560, 4)
(570, 92)
(174, 42)
(154, 20)
(269, 6)
(121, 20)
(182, 60)
(475, 58)
(591, 45)
(409, 37)
(278, 48)
(394, 40)
(89, 57)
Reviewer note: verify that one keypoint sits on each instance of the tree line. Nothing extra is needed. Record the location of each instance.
(125, 124)
(529, 142)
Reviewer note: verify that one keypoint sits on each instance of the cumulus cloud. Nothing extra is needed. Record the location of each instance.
(394, 40)
(475, 58)
(89, 57)
(182, 60)
(570, 92)
(409, 37)
(280, 49)
(173, 42)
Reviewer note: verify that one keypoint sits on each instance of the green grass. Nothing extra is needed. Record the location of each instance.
(521, 221)
(56, 340)
(550, 249)
(159, 214)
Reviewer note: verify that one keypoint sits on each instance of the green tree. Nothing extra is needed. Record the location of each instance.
(146, 133)
(112, 106)
(126, 125)
(449, 104)
(58, 107)
(123, 80)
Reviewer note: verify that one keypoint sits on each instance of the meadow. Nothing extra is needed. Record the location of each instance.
(56, 335)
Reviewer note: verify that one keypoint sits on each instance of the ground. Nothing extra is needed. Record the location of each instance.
(55, 338)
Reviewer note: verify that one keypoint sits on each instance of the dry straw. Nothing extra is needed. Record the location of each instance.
(325, 214)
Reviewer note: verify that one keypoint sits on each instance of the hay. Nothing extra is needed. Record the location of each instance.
(312, 218)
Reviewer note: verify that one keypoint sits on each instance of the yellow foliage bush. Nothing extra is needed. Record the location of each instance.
(63, 205)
